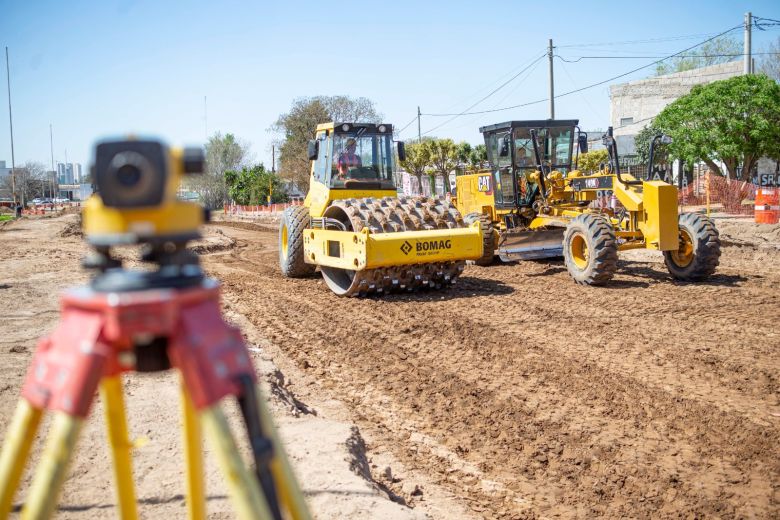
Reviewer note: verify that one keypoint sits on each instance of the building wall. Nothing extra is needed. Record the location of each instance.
(69, 173)
(634, 104)
(4, 171)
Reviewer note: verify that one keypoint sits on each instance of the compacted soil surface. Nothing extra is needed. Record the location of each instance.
(514, 394)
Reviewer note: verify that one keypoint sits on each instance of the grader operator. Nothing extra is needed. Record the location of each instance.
(534, 203)
(353, 226)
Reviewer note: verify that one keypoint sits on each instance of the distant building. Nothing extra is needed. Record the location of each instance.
(69, 173)
(78, 192)
(635, 104)
(4, 172)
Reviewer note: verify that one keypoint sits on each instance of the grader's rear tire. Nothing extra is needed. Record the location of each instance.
(291, 260)
(488, 237)
(590, 249)
(698, 254)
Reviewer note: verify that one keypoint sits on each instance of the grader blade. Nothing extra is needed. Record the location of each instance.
(531, 244)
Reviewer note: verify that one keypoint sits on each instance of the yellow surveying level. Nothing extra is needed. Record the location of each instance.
(146, 321)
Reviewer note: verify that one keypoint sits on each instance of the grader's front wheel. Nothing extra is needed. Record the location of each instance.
(698, 253)
(590, 249)
(295, 220)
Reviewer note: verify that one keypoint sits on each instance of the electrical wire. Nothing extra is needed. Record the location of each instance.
(579, 58)
(638, 42)
(407, 125)
(518, 84)
(485, 97)
(466, 112)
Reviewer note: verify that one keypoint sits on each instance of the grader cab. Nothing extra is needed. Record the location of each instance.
(535, 203)
(353, 226)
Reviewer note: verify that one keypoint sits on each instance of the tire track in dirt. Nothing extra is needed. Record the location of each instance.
(572, 430)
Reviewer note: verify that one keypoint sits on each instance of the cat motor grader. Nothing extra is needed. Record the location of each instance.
(535, 203)
(359, 232)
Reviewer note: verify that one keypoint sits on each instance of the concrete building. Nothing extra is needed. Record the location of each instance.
(5, 172)
(69, 173)
(636, 103)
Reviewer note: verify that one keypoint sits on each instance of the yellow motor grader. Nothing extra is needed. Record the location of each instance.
(535, 203)
(354, 227)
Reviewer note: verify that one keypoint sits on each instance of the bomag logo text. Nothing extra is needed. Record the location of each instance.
(433, 245)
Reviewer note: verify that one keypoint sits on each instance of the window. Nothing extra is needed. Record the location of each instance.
(320, 167)
(625, 121)
(362, 157)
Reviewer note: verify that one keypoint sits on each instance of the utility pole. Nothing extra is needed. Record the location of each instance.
(552, 88)
(53, 170)
(273, 158)
(419, 134)
(748, 68)
(11, 122)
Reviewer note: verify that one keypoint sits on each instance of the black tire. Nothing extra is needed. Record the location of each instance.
(295, 220)
(699, 253)
(488, 237)
(590, 249)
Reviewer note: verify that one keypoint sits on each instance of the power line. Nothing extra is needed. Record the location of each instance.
(407, 125)
(757, 18)
(579, 58)
(740, 26)
(638, 42)
(487, 96)
(510, 93)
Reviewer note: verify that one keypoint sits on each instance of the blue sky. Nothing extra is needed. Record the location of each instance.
(95, 69)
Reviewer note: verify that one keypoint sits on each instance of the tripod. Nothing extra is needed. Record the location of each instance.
(147, 321)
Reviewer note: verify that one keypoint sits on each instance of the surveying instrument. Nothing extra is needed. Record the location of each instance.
(146, 320)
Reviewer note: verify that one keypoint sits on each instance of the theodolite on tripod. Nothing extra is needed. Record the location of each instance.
(146, 320)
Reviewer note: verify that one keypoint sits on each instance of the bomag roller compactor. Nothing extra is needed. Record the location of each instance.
(364, 237)
(534, 203)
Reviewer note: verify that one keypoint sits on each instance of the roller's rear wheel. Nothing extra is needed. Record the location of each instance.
(590, 249)
(291, 259)
(698, 253)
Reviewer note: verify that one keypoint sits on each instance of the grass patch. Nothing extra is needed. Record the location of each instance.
(3, 218)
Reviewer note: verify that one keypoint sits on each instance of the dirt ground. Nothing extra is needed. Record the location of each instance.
(515, 394)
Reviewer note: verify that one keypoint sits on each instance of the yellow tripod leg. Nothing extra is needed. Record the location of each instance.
(196, 497)
(242, 484)
(290, 494)
(119, 439)
(47, 483)
(16, 449)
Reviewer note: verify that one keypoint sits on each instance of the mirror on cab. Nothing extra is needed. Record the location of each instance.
(504, 147)
(582, 142)
(401, 151)
(314, 149)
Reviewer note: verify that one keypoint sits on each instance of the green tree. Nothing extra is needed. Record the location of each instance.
(478, 158)
(418, 159)
(770, 61)
(300, 124)
(463, 151)
(223, 153)
(443, 153)
(735, 121)
(642, 142)
(714, 52)
(591, 161)
(252, 185)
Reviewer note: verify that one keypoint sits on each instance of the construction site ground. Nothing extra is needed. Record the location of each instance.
(515, 394)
